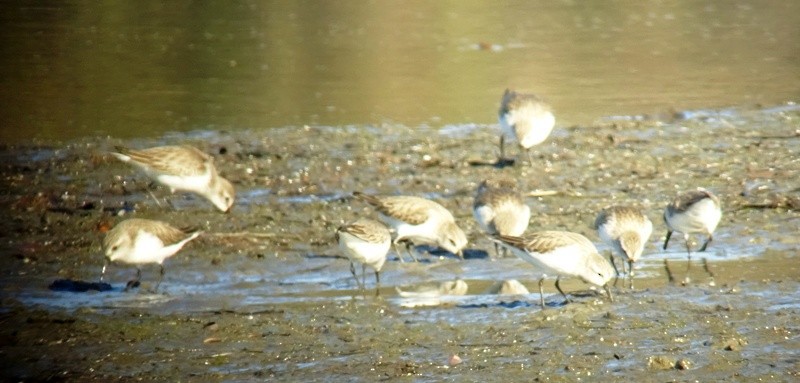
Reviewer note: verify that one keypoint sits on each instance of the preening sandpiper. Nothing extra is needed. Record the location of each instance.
(500, 209)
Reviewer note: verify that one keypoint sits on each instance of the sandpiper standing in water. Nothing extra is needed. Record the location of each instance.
(696, 211)
(182, 168)
(419, 221)
(499, 209)
(626, 229)
(141, 241)
(365, 241)
(564, 254)
(524, 118)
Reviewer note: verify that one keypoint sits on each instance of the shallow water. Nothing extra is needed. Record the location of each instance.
(75, 68)
(263, 293)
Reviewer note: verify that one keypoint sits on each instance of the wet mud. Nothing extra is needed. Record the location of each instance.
(263, 293)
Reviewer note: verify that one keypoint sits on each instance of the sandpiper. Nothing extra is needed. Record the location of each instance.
(418, 221)
(561, 253)
(141, 241)
(694, 211)
(626, 229)
(365, 241)
(182, 168)
(499, 209)
(524, 118)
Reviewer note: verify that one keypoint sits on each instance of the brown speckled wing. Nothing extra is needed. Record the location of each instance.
(367, 230)
(513, 100)
(495, 197)
(504, 104)
(601, 219)
(167, 233)
(178, 160)
(407, 209)
(684, 201)
(619, 213)
(546, 241)
(164, 231)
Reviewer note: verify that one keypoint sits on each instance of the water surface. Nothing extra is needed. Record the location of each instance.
(75, 68)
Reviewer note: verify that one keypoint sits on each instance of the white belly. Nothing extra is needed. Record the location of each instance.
(358, 250)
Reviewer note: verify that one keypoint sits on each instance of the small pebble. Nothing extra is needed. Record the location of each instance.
(660, 362)
(683, 364)
(733, 344)
(211, 326)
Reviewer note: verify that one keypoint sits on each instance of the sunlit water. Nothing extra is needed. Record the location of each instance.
(77, 68)
(191, 286)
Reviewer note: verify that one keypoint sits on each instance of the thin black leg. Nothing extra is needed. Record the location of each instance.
(160, 277)
(149, 188)
(355, 276)
(670, 277)
(541, 293)
(134, 283)
(608, 291)
(398, 253)
(364, 275)
(705, 244)
(566, 298)
(377, 283)
(666, 240)
(707, 268)
(410, 249)
(689, 259)
(613, 264)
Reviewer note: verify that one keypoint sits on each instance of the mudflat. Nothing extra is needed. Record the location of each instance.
(263, 294)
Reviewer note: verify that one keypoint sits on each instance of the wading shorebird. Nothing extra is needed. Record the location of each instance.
(524, 118)
(626, 229)
(182, 168)
(418, 221)
(696, 211)
(564, 254)
(367, 242)
(142, 241)
(500, 209)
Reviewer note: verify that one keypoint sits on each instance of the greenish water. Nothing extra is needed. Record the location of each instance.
(128, 69)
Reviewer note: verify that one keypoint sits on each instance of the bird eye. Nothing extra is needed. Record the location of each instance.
(114, 248)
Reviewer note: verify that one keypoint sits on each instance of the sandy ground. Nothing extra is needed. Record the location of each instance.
(263, 293)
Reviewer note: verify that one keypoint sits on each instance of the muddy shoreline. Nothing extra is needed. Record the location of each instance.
(264, 295)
